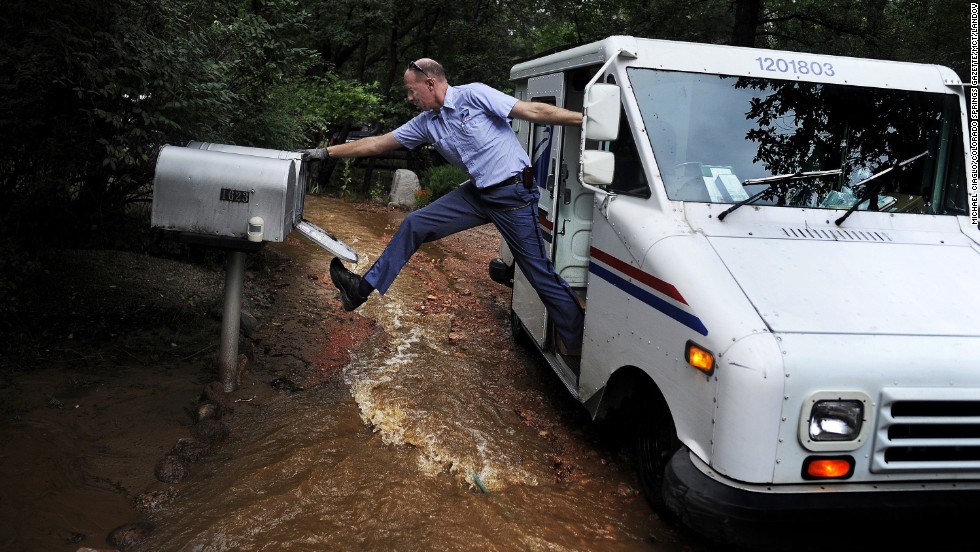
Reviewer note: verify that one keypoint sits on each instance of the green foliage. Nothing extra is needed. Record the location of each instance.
(19, 267)
(422, 198)
(329, 101)
(92, 88)
(439, 181)
(99, 86)
(927, 31)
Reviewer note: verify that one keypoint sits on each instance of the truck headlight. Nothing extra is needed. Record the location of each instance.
(834, 420)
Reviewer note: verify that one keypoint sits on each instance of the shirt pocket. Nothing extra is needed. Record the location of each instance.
(475, 129)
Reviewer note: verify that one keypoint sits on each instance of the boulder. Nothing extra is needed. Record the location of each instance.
(171, 469)
(404, 185)
(130, 534)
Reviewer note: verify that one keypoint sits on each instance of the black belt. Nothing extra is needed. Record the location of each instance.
(516, 179)
(524, 177)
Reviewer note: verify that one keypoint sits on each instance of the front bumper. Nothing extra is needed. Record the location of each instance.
(776, 521)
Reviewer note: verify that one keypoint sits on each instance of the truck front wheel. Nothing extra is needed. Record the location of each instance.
(655, 443)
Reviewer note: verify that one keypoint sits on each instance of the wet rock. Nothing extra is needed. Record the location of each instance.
(171, 469)
(247, 347)
(190, 450)
(204, 411)
(129, 534)
(154, 501)
(207, 411)
(285, 384)
(211, 431)
(215, 392)
(248, 324)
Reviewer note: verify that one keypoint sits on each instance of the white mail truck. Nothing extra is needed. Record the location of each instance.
(778, 257)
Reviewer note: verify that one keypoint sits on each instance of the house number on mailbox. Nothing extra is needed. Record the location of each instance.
(237, 196)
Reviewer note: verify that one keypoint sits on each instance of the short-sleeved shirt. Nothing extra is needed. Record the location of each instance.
(471, 131)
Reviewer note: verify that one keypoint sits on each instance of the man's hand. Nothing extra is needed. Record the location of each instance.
(317, 153)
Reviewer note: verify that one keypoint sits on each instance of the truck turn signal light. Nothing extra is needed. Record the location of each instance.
(824, 467)
(699, 357)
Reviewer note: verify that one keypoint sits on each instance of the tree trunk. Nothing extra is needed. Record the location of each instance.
(368, 177)
(747, 13)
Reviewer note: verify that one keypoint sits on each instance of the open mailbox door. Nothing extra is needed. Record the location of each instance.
(325, 240)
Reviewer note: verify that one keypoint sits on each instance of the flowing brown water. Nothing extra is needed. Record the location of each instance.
(409, 453)
(415, 447)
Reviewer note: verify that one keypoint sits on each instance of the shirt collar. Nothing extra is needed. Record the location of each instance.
(448, 102)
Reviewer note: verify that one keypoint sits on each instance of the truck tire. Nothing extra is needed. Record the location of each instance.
(655, 442)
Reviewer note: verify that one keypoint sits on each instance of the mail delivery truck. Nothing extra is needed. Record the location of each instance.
(778, 260)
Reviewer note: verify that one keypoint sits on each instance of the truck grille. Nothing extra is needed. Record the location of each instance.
(928, 430)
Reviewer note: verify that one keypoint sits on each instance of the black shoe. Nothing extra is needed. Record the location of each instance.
(347, 282)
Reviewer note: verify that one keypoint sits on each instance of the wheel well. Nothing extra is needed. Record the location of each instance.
(627, 389)
(628, 401)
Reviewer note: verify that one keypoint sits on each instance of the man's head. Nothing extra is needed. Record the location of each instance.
(425, 84)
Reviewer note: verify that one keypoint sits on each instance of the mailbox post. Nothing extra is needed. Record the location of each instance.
(231, 320)
(234, 198)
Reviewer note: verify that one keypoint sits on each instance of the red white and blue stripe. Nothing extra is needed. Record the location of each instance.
(649, 289)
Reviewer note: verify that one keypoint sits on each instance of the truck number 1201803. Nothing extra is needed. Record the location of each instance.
(795, 66)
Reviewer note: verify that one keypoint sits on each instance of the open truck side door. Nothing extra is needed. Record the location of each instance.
(545, 151)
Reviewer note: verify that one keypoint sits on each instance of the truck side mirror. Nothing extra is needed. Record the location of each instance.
(602, 112)
(598, 167)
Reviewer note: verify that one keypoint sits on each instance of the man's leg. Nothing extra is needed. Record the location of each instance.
(519, 228)
(456, 211)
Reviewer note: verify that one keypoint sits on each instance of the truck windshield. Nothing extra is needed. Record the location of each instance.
(711, 133)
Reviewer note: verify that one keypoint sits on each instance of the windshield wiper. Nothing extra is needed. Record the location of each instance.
(769, 181)
(872, 189)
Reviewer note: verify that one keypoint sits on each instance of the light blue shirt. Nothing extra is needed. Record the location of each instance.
(471, 131)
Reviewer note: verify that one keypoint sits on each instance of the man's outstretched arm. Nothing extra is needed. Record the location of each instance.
(540, 112)
(365, 147)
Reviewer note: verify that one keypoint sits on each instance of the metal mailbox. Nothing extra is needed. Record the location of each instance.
(214, 193)
(298, 197)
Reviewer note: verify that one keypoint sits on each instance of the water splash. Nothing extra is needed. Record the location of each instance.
(412, 392)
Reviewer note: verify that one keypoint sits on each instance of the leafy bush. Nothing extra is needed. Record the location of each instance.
(439, 181)
(422, 198)
(97, 86)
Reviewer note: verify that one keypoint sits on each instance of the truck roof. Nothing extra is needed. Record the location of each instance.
(749, 62)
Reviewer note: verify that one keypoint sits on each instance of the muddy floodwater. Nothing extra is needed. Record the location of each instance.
(433, 432)
(410, 451)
